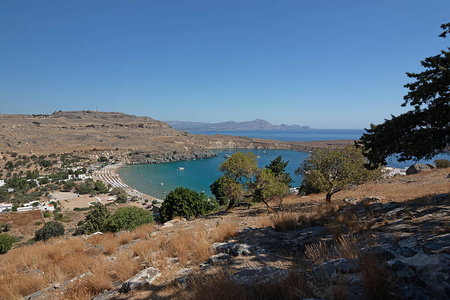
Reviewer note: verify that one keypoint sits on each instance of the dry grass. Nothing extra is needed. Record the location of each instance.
(377, 280)
(224, 231)
(344, 247)
(285, 221)
(219, 286)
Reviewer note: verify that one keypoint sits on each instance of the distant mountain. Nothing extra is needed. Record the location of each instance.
(257, 124)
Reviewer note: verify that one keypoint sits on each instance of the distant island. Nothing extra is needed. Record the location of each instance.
(257, 124)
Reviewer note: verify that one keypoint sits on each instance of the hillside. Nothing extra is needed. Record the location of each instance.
(383, 240)
(257, 124)
(119, 135)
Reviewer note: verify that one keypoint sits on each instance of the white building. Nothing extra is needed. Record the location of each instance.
(5, 207)
(2, 182)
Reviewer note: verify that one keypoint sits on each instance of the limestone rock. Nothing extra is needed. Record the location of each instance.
(417, 168)
(350, 200)
(144, 277)
(258, 275)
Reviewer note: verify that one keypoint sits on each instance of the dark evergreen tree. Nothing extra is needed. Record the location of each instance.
(423, 131)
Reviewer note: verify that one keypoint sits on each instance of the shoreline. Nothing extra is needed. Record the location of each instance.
(108, 175)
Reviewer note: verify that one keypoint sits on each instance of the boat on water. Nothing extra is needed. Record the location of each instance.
(180, 169)
(162, 183)
(227, 155)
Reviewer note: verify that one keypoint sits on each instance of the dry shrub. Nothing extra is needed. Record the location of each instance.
(220, 286)
(224, 231)
(124, 238)
(76, 263)
(317, 253)
(264, 221)
(201, 252)
(143, 249)
(30, 283)
(90, 285)
(285, 221)
(143, 231)
(347, 247)
(126, 266)
(377, 280)
(181, 245)
(95, 239)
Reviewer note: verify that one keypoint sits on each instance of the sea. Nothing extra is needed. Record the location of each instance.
(159, 179)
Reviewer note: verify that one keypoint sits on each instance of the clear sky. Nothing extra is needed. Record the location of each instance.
(326, 64)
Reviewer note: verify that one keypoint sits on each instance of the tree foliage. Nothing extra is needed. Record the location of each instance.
(217, 189)
(128, 218)
(184, 202)
(238, 173)
(268, 185)
(6, 242)
(244, 181)
(50, 229)
(95, 220)
(331, 170)
(278, 168)
(423, 131)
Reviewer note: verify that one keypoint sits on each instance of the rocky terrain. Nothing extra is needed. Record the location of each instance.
(384, 240)
(132, 139)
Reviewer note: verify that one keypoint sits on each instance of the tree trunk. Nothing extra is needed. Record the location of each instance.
(328, 197)
(230, 204)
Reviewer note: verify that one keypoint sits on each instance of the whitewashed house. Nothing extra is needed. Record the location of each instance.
(2, 182)
(5, 207)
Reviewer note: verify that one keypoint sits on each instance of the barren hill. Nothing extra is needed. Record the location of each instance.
(149, 140)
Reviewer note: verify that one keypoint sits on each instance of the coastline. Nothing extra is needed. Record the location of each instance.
(109, 175)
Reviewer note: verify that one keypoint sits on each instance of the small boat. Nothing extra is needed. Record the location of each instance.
(162, 183)
(227, 155)
(180, 169)
(264, 152)
(258, 156)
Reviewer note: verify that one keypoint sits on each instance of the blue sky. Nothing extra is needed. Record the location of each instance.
(326, 64)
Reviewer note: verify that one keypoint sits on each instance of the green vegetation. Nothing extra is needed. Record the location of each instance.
(5, 227)
(331, 170)
(50, 229)
(128, 218)
(95, 219)
(442, 163)
(185, 202)
(243, 181)
(423, 131)
(6, 242)
(121, 194)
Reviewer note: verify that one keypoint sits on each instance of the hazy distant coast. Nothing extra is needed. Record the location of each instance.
(257, 124)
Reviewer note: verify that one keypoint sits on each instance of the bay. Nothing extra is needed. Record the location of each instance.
(199, 174)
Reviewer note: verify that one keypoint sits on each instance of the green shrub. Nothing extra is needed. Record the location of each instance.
(95, 220)
(5, 227)
(442, 163)
(50, 229)
(6, 242)
(128, 218)
(46, 214)
(183, 202)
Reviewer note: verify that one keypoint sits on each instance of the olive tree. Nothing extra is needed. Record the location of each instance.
(243, 180)
(238, 173)
(331, 170)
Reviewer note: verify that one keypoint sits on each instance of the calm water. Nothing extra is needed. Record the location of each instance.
(198, 175)
(291, 135)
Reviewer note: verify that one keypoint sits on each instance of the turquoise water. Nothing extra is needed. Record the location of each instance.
(197, 175)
